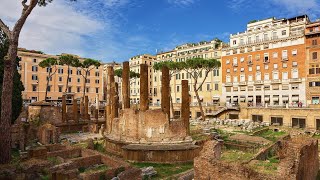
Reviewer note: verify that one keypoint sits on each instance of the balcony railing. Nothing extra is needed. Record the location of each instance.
(276, 81)
(295, 80)
(242, 83)
(228, 84)
(250, 63)
(285, 58)
(235, 64)
(258, 82)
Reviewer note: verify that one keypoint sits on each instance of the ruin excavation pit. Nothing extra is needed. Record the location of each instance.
(144, 135)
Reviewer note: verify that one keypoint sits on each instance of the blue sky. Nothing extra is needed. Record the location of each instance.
(119, 29)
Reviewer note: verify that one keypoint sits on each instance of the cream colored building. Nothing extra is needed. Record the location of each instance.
(211, 90)
(34, 79)
(134, 63)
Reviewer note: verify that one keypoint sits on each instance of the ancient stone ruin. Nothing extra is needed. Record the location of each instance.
(298, 159)
(147, 135)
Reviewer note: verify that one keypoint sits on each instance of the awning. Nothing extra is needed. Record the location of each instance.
(275, 98)
(235, 99)
(216, 98)
(295, 98)
(285, 98)
(267, 98)
(242, 99)
(250, 99)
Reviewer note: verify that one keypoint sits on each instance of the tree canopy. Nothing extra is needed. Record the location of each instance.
(49, 62)
(68, 60)
(132, 74)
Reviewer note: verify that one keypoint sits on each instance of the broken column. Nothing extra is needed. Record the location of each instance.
(185, 106)
(110, 81)
(116, 100)
(165, 91)
(75, 110)
(126, 85)
(144, 87)
(64, 108)
(86, 108)
(96, 109)
(81, 107)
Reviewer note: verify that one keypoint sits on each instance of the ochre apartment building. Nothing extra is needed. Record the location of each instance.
(34, 79)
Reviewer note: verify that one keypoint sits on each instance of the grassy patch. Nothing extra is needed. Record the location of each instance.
(166, 170)
(270, 166)
(81, 145)
(99, 146)
(53, 160)
(272, 135)
(236, 156)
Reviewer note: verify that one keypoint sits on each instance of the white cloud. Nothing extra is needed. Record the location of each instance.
(56, 28)
(278, 7)
(182, 3)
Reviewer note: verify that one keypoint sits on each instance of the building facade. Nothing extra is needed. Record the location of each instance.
(134, 64)
(34, 79)
(312, 34)
(265, 65)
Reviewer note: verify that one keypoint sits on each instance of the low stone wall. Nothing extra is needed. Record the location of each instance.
(87, 161)
(241, 147)
(66, 154)
(110, 161)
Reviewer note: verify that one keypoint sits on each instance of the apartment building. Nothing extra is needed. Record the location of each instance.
(34, 79)
(211, 90)
(134, 63)
(312, 34)
(265, 65)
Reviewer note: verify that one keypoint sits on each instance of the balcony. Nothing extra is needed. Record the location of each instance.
(259, 82)
(243, 83)
(228, 84)
(276, 81)
(295, 80)
(235, 64)
(250, 63)
(285, 59)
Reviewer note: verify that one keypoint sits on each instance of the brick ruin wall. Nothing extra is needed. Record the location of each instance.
(146, 126)
(298, 160)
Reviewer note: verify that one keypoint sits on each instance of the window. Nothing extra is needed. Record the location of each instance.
(60, 79)
(285, 75)
(97, 90)
(284, 32)
(314, 42)
(78, 89)
(249, 39)
(87, 81)
(250, 69)
(267, 88)
(250, 78)
(250, 58)
(275, 55)
(78, 80)
(97, 81)
(275, 75)
(34, 77)
(208, 87)
(34, 88)
(49, 69)
(216, 87)
(78, 72)
(69, 89)
(295, 86)
(258, 76)
(274, 34)
(97, 74)
(242, 78)
(242, 69)
(235, 61)
(314, 84)
(35, 68)
(266, 57)
(228, 79)
(284, 65)
(235, 78)
(60, 71)
(294, 64)
(234, 42)
(258, 68)
(284, 54)
(275, 66)
(266, 66)
(87, 90)
(294, 52)
(227, 61)
(266, 76)
(69, 79)
(228, 70)
(34, 60)
(70, 71)
(178, 88)
(295, 73)
(242, 59)
(314, 55)
(258, 57)
(285, 87)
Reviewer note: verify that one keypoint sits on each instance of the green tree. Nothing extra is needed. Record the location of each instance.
(174, 68)
(195, 68)
(87, 65)
(8, 74)
(133, 75)
(69, 61)
(51, 65)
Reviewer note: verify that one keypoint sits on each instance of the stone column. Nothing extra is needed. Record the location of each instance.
(86, 108)
(110, 81)
(126, 85)
(116, 100)
(185, 106)
(64, 108)
(75, 111)
(96, 112)
(81, 107)
(165, 91)
(144, 87)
